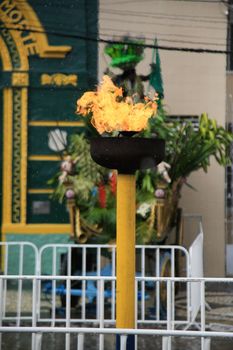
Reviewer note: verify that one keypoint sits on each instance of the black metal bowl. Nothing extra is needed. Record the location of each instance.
(127, 154)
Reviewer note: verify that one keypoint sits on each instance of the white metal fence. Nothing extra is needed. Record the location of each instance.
(170, 326)
(90, 260)
(77, 297)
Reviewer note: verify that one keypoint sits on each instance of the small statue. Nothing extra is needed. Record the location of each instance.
(126, 56)
(67, 168)
(163, 168)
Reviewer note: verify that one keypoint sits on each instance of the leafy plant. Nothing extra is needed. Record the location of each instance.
(189, 147)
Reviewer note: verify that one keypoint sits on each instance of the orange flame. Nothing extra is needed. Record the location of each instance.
(110, 112)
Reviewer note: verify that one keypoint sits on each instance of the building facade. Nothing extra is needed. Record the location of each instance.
(194, 82)
(46, 64)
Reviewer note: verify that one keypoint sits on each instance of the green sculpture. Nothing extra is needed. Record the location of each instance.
(126, 56)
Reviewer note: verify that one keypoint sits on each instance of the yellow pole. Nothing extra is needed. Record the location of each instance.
(125, 294)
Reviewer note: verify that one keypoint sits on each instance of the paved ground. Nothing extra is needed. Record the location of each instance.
(220, 316)
(57, 342)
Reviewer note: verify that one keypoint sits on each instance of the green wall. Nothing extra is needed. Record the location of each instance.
(39, 241)
(68, 20)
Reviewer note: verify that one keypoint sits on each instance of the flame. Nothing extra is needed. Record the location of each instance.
(110, 112)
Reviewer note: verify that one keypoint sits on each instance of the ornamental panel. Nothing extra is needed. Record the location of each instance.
(46, 66)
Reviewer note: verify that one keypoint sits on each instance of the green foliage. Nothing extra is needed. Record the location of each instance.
(83, 179)
(106, 219)
(189, 147)
(79, 148)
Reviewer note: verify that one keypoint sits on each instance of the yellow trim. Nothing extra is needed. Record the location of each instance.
(40, 190)
(7, 155)
(126, 208)
(21, 49)
(59, 79)
(45, 50)
(45, 158)
(7, 143)
(8, 121)
(4, 55)
(18, 42)
(54, 123)
(20, 79)
(3, 239)
(36, 228)
(24, 142)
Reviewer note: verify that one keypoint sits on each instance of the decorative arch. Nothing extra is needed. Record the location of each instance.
(5, 56)
(20, 18)
(15, 61)
(44, 49)
(17, 44)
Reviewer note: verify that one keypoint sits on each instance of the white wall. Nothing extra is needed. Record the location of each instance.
(193, 83)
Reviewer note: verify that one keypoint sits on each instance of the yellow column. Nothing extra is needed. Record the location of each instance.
(125, 295)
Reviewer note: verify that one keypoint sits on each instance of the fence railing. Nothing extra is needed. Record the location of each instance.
(170, 327)
(77, 294)
(99, 260)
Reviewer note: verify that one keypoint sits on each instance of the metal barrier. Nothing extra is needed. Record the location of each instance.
(167, 330)
(99, 260)
(12, 292)
(63, 298)
(19, 258)
(77, 297)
